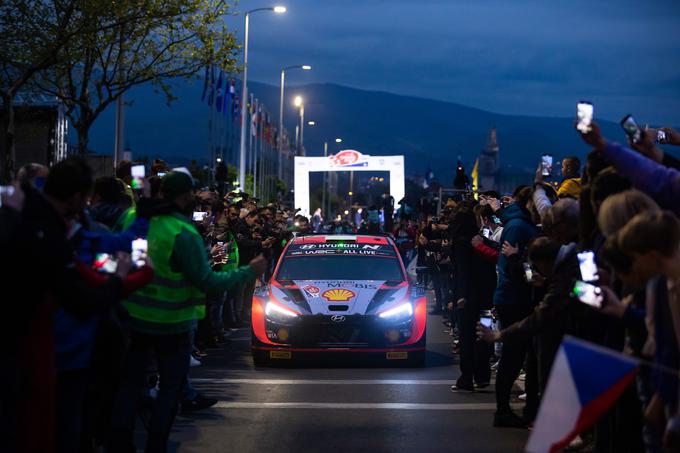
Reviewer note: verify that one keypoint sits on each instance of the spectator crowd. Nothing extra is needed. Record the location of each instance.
(594, 255)
(114, 287)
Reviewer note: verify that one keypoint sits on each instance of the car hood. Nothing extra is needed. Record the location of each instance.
(328, 297)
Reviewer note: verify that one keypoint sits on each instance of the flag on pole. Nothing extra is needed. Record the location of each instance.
(205, 84)
(475, 178)
(229, 97)
(218, 93)
(211, 96)
(253, 119)
(585, 381)
(236, 108)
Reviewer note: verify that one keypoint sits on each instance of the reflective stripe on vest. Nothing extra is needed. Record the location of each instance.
(169, 298)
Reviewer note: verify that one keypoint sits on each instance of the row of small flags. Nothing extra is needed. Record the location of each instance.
(221, 94)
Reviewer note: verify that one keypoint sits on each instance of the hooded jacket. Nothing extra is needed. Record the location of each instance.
(518, 231)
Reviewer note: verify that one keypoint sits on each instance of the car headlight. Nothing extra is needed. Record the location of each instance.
(403, 311)
(277, 311)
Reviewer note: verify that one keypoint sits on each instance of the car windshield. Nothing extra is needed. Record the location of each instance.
(339, 268)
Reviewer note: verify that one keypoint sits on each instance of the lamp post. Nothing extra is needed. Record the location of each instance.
(299, 103)
(244, 93)
(328, 184)
(304, 67)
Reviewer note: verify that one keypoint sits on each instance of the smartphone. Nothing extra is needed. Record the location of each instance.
(586, 262)
(661, 136)
(138, 173)
(631, 129)
(588, 294)
(486, 233)
(584, 116)
(486, 319)
(160, 174)
(546, 165)
(528, 272)
(199, 216)
(496, 220)
(7, 191)
(139, 251)
(103, 262)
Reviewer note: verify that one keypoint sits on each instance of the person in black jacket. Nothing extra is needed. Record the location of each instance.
(472, 298)
(250, 245)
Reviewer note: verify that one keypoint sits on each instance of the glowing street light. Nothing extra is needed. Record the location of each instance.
(244, 93)
(297, 101)
(304, 67)
(338, 140)
(311, 123)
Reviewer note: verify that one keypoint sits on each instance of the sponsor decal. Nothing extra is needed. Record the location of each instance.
(338, 295)
(339, 248)
(348, 158)
(311, 290)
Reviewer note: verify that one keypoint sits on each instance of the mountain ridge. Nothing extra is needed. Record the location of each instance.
(428, 132)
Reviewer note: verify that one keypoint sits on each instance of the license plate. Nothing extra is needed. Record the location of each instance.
(280, 354)
(397, 355)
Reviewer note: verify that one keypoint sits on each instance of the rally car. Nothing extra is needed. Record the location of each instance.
(339, 297)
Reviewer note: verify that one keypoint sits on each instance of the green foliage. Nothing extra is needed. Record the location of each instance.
(133, 42)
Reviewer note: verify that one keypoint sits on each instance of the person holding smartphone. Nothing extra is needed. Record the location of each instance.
(658, 181)
(164, 313)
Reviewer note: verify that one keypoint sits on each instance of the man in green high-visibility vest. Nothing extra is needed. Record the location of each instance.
(164, 312)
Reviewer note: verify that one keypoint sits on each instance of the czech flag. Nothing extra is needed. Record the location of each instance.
(585, 380)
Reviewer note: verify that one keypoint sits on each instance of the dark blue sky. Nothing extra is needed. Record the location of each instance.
(531, 57)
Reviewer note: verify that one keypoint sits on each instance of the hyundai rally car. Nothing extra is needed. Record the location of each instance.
(339, 296)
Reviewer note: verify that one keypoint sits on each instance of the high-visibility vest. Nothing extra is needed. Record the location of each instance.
(232, 263)
(126, 219)
(169, 298)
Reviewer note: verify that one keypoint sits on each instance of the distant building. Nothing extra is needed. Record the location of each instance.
(489, 162)
(40, 130)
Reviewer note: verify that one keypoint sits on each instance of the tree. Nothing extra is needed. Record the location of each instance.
(157, 41)
(32, 34)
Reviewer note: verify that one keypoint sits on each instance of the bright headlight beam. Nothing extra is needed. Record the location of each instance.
(270, 307)
(403, 309)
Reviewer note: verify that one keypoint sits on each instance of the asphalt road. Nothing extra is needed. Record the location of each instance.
(339, 409)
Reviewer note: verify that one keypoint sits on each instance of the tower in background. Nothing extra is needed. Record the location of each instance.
(488, 162)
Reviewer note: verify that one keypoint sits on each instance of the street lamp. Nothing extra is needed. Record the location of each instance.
(299, 103)
(244, 92)
(311, 123)
(338, 140)
(304, 67)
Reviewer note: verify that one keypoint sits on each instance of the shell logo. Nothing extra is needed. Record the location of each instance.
(338, 295)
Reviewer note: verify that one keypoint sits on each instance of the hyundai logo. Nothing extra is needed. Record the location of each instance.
(338, 318)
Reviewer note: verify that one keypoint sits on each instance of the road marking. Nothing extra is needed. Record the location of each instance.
(325, 381)
(356, 406)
